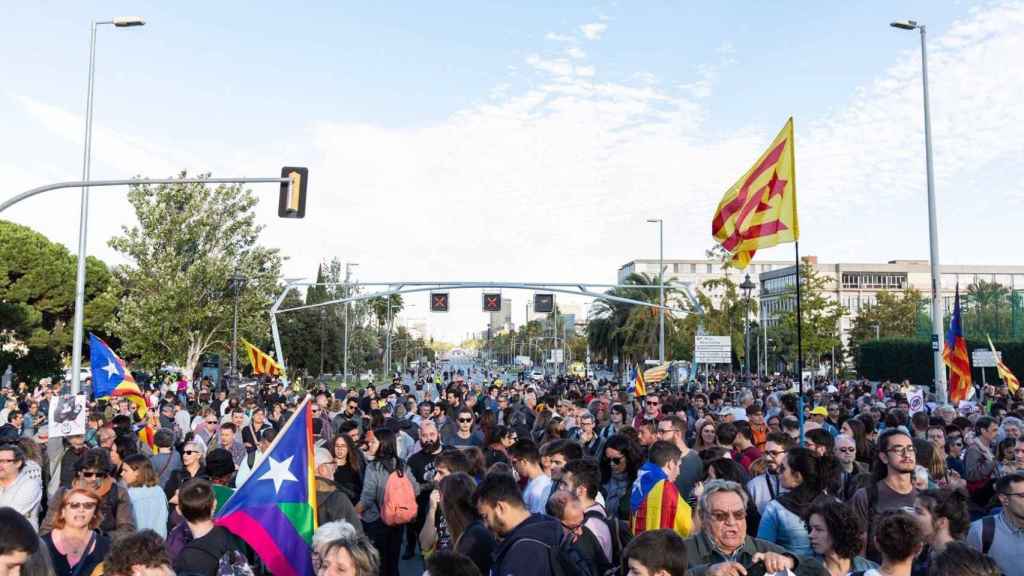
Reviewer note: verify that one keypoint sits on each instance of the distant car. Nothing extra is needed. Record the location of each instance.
(537, 375)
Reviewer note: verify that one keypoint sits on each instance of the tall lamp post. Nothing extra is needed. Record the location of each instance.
(747, 286)
(348, 274)
(235, 283)
(933, 239)
(83, 215)
(661, 288)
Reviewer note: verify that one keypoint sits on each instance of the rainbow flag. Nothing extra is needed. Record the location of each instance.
(275, 510)
(655, 503)
(111, 377)
(954, 355)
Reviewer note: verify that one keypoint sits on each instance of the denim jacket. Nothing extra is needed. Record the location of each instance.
(784, 528)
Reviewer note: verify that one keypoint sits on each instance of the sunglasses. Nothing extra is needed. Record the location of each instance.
(651, 403)
(465, 420)
(211, 422)
(188, 452)
(615, 461)
(81, 505)
(847, 449)
(92, 474)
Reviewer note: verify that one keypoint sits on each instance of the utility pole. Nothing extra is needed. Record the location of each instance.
(348, 273)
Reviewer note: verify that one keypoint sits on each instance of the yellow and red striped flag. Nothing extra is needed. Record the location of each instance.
(655, 503)
(760, 209)
(262, 363)
(1012, 383)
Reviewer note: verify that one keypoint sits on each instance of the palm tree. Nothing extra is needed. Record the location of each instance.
(619, 327)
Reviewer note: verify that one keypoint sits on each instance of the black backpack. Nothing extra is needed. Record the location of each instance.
(565, 559)
(620, 533)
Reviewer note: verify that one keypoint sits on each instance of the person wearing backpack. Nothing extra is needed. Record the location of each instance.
(210, 543)
(388, 501)
(583, 478)
(531, 543)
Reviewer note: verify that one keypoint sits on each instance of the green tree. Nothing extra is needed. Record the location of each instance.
(190, 239)
(37, 301)
(619, 329)
(820, 315)
(893, 315)
(987, 310)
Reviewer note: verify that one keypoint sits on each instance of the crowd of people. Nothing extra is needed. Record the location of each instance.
(511, 477)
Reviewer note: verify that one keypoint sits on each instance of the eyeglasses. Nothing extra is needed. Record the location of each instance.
(957, 443)
(774, 453)
(93, 474)
(81, 505)
(1012, 494)
(666, 430)
(847, 449)
(722, 517)
(901, 450)
(651, 403)
(465, 420)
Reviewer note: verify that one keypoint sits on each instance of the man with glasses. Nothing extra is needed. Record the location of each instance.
(892, 490)
(17, 489)
(722, 548)
(587, 436)
(464, 435)
(691, 467)
(651, 411)
(1001, 537)
(768, 486)
(852, 472)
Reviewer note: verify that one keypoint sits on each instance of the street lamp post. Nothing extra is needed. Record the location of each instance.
(348, 273)
(83, 214)
(235, 283)
(747, 286)
(661, 288)
(933, 240)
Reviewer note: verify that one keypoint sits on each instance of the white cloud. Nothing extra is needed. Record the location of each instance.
(559, 37)
(594, 30)
(575, 52)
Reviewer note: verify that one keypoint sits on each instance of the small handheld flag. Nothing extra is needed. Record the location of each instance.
(954, 355)
(1011, 381)
(760, 209)
(274, 511)
(640, 384)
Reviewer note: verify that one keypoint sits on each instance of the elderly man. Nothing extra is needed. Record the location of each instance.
(722, 548)
(854, 474)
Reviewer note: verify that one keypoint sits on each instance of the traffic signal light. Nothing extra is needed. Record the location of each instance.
(438, 301)
(543, 303)
(292, 199)
(492, 302)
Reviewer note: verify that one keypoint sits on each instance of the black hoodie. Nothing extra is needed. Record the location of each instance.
(524, 551)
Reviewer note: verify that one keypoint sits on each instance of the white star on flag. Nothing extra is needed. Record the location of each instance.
(111, 369)
(279, 472)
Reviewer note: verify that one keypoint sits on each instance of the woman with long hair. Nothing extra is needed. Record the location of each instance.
(836, 535)
(149, 503)
(76, 545)
(784, 521)
(382, 446)
(468, 533)
(619, 465)
(707, 435)
(348, 474)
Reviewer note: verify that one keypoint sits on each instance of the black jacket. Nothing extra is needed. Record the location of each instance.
(524, 551)
(202, 555)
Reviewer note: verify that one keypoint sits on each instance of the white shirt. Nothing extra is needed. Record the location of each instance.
(536, 494)
(24, 496)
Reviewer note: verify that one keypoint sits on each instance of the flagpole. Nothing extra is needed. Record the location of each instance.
(799, 347)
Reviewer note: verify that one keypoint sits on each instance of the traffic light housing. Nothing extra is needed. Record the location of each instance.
(492, 302)
(292, 199)
(543, 303)
(438, 301)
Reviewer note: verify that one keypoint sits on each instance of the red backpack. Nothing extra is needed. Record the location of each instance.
(399, 506)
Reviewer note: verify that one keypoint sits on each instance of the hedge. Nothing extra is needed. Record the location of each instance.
(896, 359)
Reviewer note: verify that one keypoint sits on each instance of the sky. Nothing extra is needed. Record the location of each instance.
(526, 141)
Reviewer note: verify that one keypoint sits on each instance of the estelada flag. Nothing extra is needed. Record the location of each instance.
(760, 209)
(274, 511)
(954, 355)
(262, 363)
(1011, 381)
(655, 503)
(111, 377)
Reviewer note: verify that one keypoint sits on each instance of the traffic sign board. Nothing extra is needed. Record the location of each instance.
(712, 349)
(983, 358)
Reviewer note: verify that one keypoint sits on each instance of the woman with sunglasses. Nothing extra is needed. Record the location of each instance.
(92, 473)
(76, 545)
(619, 465)
(193, 466)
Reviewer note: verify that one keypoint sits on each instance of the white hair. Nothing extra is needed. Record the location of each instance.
(332, 531)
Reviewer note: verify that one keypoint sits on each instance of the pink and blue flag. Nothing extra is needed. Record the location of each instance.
(274, 511)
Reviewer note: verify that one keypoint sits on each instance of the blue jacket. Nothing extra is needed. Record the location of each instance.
(524, 551)
(784, 528)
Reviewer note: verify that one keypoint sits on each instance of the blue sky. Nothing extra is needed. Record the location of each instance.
(528, 141)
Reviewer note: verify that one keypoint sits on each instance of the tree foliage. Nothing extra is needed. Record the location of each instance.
(189, 241)
(37, 301)
(820, 319)
(893, 315)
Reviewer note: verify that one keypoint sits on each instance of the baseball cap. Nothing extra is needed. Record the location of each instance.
(820, 411)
